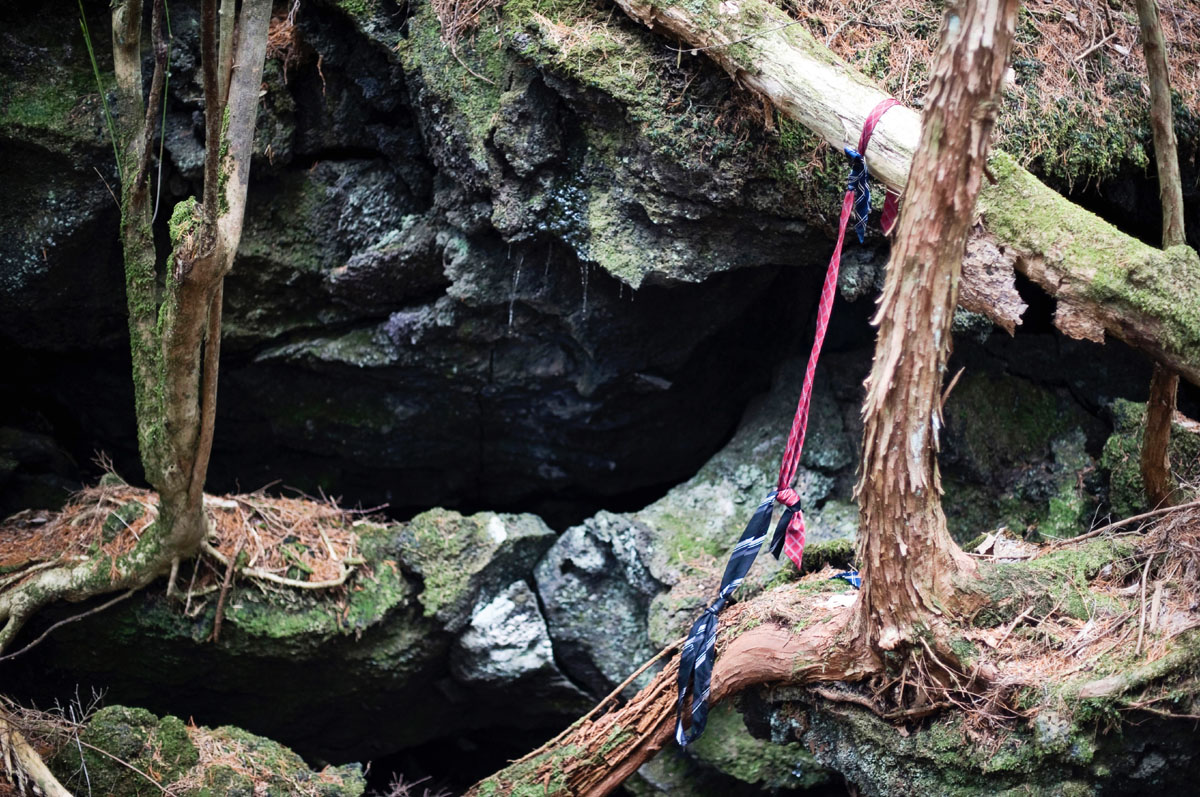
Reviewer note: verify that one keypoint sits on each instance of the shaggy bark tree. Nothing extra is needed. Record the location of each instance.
(1164, 384)
(174, 309)
(911, 567)
(909, 563)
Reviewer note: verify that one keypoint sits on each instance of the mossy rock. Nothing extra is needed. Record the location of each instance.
(728, 747)
(268, 769)
(1122, 457)
(1014, 456)
(129, 751)
(117, 736)
(457, 556)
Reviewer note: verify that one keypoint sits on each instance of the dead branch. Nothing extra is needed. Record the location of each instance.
(1118, 524)
(254, 572)
(25, 761)
(73, 619)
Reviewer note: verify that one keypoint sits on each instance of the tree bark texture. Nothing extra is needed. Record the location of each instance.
(1164, 384)
(1170, 185)
(909, 563)
(596, 755)
(181, 345)
(1105, 281)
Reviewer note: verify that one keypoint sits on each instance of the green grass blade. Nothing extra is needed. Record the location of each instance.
(112, 130)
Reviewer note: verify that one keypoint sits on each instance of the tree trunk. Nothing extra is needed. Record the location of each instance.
(1105, 281)
(1164, 384)
(175, 329)
(909, 563)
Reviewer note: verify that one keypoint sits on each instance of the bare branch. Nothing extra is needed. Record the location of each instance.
(73, 619)
(213, 113)
(244, 89)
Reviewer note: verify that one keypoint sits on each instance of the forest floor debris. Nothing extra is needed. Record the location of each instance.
(297, 542)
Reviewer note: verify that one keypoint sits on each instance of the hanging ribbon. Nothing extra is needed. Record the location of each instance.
(696, 658)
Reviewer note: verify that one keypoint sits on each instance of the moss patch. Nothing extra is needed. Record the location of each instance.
(728, 747)
(130, 751)
(451, 552)
(1057, 579)
(136, 737)
(1122, 457)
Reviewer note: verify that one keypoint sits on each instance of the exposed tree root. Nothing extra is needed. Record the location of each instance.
(103, 541)
(595, 755)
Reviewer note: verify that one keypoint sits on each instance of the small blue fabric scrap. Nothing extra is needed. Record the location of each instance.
(851, 577)
(860, 184)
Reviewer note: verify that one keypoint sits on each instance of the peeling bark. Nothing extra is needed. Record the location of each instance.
(596, 756)
(1121, 287)
(908, 561)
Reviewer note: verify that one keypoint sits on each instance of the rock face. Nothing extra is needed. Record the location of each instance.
(937, 758)
(549, 271)
(597, 583)
(433, 302)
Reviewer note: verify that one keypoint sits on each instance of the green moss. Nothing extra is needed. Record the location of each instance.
(277, 771)
(1058, 579)
(474, 98)
(61, 101)
(452, 554)
(136, 737)
(120, 519)
(677, 106)
(1002, 431)
(1029, 420)
(291, 619)
(129, 752)
(728, 747)
(358, 8)
(186, 219)
(1121, 458)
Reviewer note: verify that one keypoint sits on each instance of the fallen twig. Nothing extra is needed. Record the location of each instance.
(1142, 618)
(225, 585)
(1117, 524)
(254, 572)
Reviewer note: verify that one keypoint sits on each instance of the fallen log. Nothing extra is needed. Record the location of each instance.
(1105, 282)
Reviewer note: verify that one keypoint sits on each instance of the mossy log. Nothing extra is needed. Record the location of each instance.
(1105, 281)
